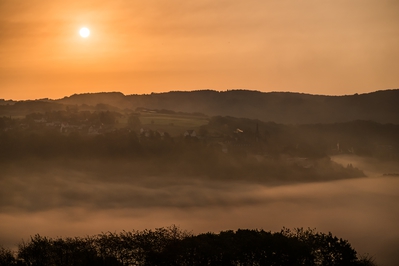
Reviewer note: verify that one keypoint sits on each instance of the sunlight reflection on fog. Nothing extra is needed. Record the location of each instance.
(364, 211)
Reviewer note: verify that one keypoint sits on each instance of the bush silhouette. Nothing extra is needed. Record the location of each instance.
(172, 246)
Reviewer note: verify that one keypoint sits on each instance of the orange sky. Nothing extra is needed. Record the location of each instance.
(322, 47)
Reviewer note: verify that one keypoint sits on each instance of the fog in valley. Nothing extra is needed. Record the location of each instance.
(74, 169)
(39, 196)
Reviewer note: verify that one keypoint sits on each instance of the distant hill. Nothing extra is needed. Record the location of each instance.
(280, 107)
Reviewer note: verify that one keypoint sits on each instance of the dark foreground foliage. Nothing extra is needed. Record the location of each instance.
(172, 246)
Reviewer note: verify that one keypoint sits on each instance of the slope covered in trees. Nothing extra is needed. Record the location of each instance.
(280, 107)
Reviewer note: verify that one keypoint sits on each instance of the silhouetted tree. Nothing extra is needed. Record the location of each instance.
(133, 122)
(172, 246)
(7, 257)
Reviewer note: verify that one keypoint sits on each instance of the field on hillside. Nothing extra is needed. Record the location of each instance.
(174, 124)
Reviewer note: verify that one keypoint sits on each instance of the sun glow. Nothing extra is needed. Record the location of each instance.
(84, 32)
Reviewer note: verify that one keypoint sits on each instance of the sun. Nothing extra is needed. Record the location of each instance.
(84, 32)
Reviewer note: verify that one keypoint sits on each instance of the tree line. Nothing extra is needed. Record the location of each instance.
(173, 246)
(186, 157)
(364, 138)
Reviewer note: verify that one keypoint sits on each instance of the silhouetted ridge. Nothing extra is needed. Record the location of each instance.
(281, 107)
(112, 98)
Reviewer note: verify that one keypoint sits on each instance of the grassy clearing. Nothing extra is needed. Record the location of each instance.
(173, 124)
(186, 121)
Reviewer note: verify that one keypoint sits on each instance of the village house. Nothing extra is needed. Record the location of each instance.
(190, 133)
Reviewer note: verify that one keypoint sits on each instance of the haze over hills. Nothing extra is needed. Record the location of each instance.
(113, 160)
(280, 107)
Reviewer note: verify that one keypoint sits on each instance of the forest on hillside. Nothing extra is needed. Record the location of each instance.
(280, 107)
(218, 147)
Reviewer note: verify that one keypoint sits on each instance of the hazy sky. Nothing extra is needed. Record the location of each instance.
(312, 46)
